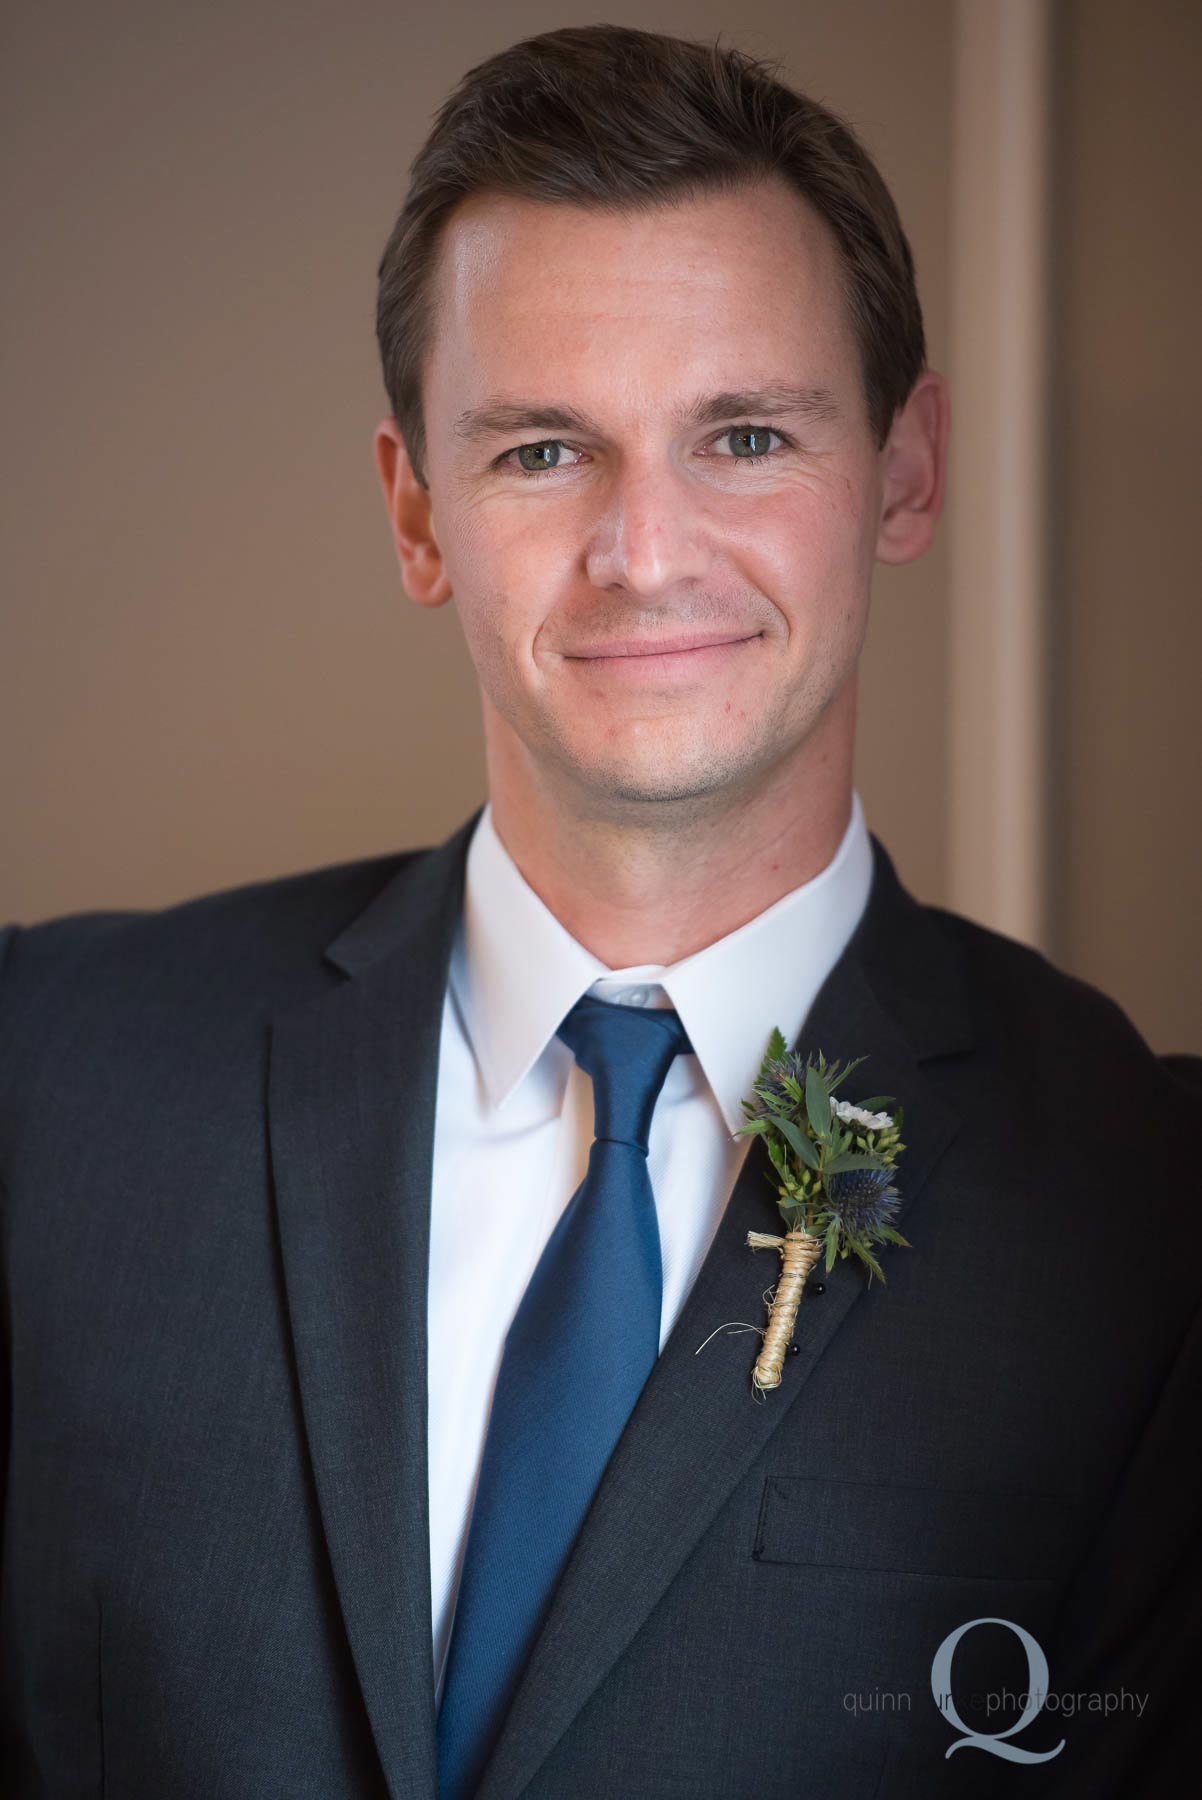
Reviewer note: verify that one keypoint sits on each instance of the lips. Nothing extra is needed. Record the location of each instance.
(672, 646)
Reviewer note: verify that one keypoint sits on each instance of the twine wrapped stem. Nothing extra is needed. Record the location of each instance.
(799, 1252)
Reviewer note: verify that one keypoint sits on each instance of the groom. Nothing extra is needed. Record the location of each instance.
(378, 1309)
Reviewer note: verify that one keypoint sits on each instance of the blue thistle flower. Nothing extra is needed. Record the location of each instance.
(862, 1199)
(772, 1080)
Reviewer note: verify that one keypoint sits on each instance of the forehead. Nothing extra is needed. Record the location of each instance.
(564, 296)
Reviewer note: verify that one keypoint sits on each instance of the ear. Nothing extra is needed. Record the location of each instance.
(914, 471)
(410, 516)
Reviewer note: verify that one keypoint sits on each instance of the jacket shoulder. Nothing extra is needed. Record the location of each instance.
(239, 949)
(306, 900)
(1019, 996)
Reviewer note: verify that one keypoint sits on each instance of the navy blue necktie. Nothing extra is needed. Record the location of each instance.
(580, 1347)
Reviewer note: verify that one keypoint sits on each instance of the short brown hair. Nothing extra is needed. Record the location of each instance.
(616, 118)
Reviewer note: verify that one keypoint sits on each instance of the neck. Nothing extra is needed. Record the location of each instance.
(658, 891)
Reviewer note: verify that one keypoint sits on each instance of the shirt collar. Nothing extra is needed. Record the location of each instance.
(518, 972)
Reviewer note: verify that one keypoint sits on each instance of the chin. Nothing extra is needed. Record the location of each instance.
(663, 780)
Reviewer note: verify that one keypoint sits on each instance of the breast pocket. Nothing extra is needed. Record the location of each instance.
(981, 1534)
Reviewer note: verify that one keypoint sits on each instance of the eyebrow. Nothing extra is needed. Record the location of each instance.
(500, 417)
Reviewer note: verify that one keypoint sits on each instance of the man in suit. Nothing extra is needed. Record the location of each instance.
(379, 1313)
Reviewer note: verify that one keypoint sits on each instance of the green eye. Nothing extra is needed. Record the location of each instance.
(749, 441)
(541, 456)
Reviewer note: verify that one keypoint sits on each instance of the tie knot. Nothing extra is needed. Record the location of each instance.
(628, 1051)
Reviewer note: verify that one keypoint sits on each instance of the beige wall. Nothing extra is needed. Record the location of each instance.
(210, 671)
(1127, 677)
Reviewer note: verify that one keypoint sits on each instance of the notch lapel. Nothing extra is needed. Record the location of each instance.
(895, 997)
(351, 1095)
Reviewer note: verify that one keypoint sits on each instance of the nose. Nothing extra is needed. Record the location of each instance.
(651, 535)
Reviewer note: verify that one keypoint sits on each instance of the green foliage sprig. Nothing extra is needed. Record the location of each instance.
(833, 1175)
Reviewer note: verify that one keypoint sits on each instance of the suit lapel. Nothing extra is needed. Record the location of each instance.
(351, 1103)
(698, 1425)
(351, 1115)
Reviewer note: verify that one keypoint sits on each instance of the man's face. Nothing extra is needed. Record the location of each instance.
(653, 486)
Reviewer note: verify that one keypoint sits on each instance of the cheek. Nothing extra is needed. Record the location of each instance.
(502, 582)
(809, 555)
(510, 567)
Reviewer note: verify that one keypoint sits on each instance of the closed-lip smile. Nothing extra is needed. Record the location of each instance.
(662, 646)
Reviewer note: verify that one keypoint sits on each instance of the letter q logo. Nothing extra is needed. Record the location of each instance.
(993, 1741)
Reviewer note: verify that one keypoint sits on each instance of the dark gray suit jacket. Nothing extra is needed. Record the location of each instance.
(215, 1148)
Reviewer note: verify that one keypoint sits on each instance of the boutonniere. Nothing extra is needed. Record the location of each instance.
(832, 1166)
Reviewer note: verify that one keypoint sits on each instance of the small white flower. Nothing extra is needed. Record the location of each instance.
(855, 1115)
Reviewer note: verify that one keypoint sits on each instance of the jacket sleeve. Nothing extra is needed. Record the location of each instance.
(7, 934)
(1130, 1629)
(1184, 1067)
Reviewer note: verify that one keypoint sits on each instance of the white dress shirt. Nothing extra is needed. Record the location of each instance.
(514, 1121)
